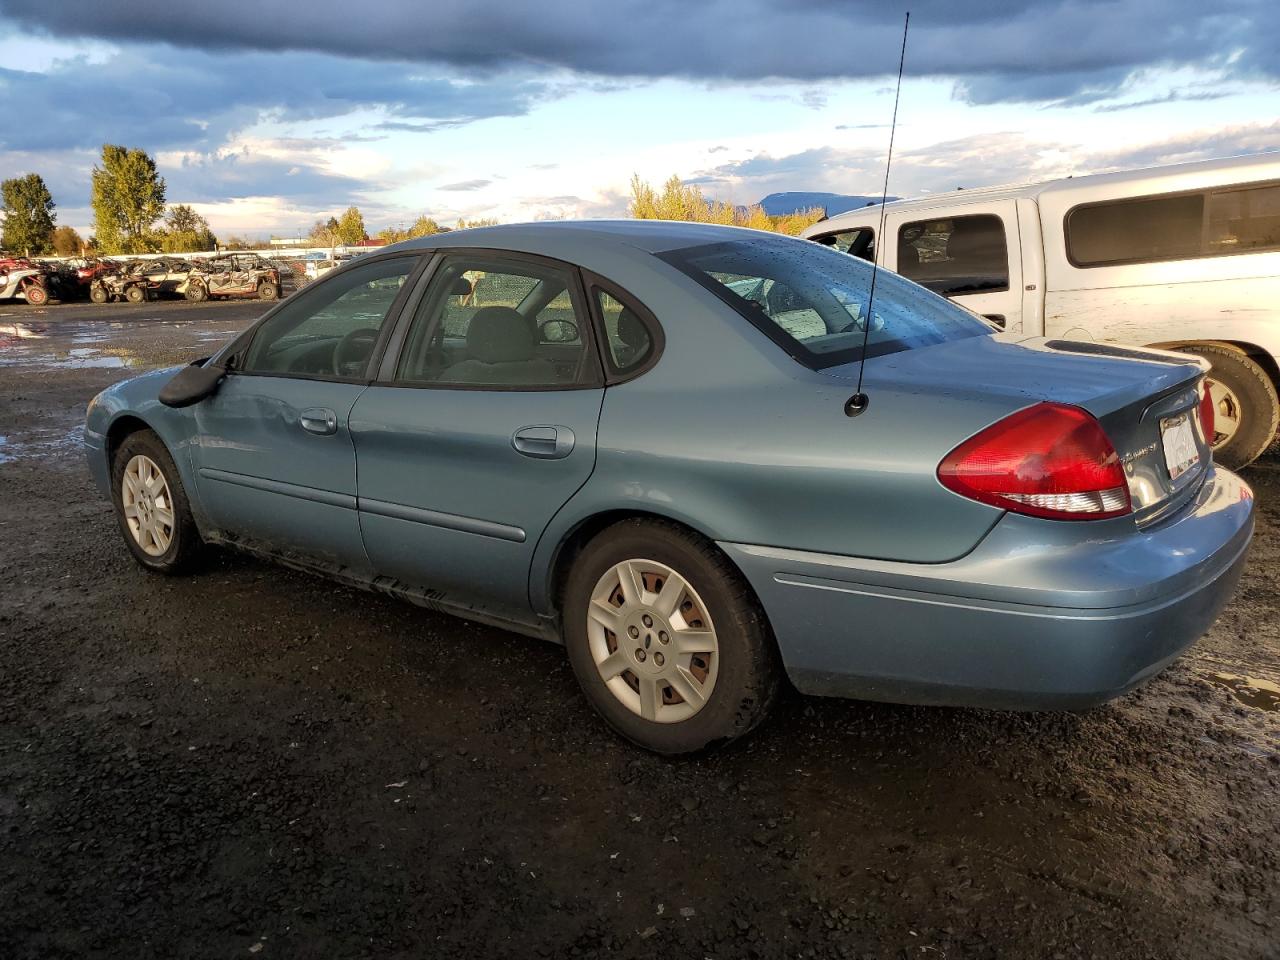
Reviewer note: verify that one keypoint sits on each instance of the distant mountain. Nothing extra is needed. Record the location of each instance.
(779, 204)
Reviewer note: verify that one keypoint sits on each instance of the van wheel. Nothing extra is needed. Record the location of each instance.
(1246, 409)
(667, 640)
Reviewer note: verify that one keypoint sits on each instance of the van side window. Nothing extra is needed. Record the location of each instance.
(955, 256)
(1207, 223)
(858, 242)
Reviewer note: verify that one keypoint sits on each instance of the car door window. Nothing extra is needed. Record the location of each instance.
(858, 242)
(487, 321)
(956, 255)
(330, 329)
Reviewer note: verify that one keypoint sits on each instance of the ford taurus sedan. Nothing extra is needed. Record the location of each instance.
(639, 439)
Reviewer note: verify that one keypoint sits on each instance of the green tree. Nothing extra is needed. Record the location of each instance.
(128, 198)
(28, 215)
(67, 242)
(478, 222)
(351, 226)
(186, 231)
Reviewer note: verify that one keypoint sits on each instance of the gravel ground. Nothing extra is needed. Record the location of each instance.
(252, 762)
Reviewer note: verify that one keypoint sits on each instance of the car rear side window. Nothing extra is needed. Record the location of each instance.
(812, 300)
(1185, 226)
(955, 256)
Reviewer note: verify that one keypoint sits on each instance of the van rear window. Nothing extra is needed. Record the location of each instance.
(1185, 226)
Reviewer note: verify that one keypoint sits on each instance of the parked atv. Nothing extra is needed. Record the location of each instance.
(126, 282)
(236, 275)
(22, 277)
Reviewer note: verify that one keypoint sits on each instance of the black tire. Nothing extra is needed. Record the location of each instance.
(98, 293)
(185, 546)
(268, 291)
(748, 673)
(196, 293)
(135, 294)
(1259, 412)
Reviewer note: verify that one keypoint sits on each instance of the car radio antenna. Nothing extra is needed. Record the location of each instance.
(858, 402)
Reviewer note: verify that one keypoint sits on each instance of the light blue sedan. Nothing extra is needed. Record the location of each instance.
(640, 439)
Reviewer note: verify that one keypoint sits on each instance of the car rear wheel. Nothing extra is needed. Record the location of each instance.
(196, 293)
(1246, 410)
(151, 505)
(667, 640)
(36, 295)
(135, 294)
(267, 291)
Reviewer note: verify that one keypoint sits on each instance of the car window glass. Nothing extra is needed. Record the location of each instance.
(629, 340)
(330, 329)
(956, 255)
(485, 321)
(813, 300)
(858, 242)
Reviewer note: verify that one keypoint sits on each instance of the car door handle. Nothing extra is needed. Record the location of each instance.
(543, 442)
(319, 420)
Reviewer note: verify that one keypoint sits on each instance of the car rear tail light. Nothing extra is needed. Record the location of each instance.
(1051, 460)
(1206, 411)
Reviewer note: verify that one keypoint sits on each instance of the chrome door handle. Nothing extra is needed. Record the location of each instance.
(543, 442)
(319, 420)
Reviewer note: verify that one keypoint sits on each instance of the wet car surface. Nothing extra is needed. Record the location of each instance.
(254, 756)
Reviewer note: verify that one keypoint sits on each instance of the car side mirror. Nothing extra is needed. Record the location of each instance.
(558, 331)
(192, 384)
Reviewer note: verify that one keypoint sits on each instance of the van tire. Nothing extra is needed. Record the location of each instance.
(1259, 406)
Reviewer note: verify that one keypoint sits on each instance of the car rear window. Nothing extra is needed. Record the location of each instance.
(812, 300)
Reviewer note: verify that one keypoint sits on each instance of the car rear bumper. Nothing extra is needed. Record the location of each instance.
(1040, 615)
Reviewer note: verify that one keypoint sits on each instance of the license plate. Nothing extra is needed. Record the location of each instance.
(1180, 452)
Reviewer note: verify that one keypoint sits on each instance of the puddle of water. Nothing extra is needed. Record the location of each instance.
(11, 450)
(1250, 691)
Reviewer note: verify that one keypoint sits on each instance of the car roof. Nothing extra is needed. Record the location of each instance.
(651, 236)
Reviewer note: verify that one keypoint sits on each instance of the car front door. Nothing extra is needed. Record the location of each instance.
(482, 425)
(970, 256)
(275, 464)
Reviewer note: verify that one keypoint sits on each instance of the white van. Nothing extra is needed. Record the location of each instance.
(1184, 257)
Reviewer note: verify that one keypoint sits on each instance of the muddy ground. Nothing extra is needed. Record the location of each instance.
(252, 762)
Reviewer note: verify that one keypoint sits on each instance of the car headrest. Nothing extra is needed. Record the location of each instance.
(631, 330)
(461, 288)
(499, 335)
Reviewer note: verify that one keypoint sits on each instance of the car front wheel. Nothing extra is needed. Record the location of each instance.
(151, 505)
(667, 640)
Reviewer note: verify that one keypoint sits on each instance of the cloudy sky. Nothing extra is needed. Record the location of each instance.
(267, 115)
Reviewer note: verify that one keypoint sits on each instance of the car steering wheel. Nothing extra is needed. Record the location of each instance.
(353, 350)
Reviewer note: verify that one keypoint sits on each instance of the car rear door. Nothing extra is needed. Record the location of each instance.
(969, 253)
(275, 464)
(482, 425)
